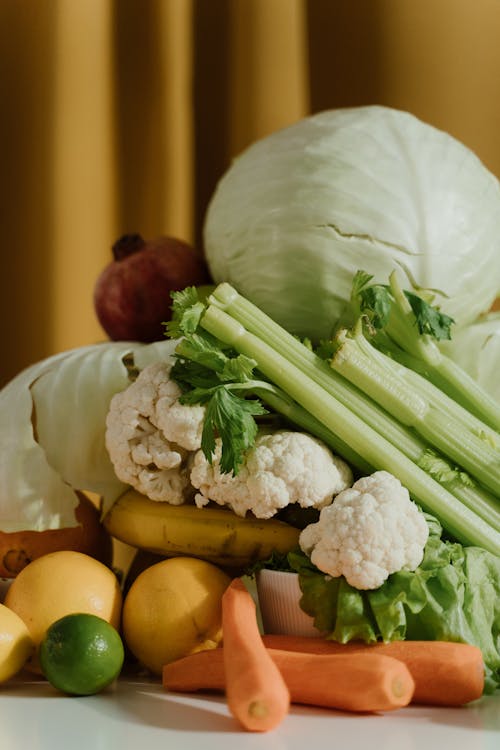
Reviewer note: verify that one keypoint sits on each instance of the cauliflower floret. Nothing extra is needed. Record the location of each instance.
(150, 436)
(371, 530)
(282, 467)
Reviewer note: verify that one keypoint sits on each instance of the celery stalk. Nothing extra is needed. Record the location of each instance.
(414, 447)
(288, 408)
(409, 397)
(289, 346)
(281, 403)
(440, 370)
(457, 518)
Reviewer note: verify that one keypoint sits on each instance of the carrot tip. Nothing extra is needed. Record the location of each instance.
(258, 710)
(399, 688)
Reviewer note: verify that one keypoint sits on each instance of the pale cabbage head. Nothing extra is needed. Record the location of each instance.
(371, 188)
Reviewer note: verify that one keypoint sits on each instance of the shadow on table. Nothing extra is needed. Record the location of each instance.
(483, 714)
(154, 707)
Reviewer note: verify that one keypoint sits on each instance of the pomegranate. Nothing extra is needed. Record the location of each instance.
(132, 293)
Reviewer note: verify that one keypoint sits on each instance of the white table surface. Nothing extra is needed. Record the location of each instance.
(136, 714)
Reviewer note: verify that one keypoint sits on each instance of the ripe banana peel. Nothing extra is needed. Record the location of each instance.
(214, 534)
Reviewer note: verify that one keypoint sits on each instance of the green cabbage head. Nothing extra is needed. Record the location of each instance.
(372, 188)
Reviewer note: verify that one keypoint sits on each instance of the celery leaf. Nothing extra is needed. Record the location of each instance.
(187, 310)
(430, 320)
(230, 417)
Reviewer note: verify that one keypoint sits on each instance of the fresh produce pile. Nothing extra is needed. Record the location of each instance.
(308, 412)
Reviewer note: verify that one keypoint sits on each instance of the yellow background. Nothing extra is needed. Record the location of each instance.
(120, 116)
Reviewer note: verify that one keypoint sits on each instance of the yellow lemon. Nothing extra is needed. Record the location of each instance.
(16, 644)
(59, 584)
(173, 609)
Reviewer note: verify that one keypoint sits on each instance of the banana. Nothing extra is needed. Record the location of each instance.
(214, 534)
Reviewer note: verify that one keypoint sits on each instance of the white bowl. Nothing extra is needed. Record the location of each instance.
(279, 595)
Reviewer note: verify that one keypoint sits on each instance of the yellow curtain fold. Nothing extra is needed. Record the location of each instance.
(154, 116)
(26, 159)
(121, 115)
(268, 86)
(441, 60)
(83, 172)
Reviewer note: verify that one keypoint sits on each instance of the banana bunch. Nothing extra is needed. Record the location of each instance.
(214, 534)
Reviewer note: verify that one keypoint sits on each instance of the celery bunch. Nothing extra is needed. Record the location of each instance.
(365, 403)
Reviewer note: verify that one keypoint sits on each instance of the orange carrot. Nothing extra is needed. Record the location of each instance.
(357, 682)
(445, 674)
(256, 693)
(203, 670)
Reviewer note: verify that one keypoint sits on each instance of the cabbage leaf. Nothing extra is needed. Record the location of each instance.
(476, 349)
(52, 432)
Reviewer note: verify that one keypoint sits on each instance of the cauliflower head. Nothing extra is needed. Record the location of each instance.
(151, 437)
(371, 530)
(282, 467)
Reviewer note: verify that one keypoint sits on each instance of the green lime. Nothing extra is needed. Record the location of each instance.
(81, 654)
